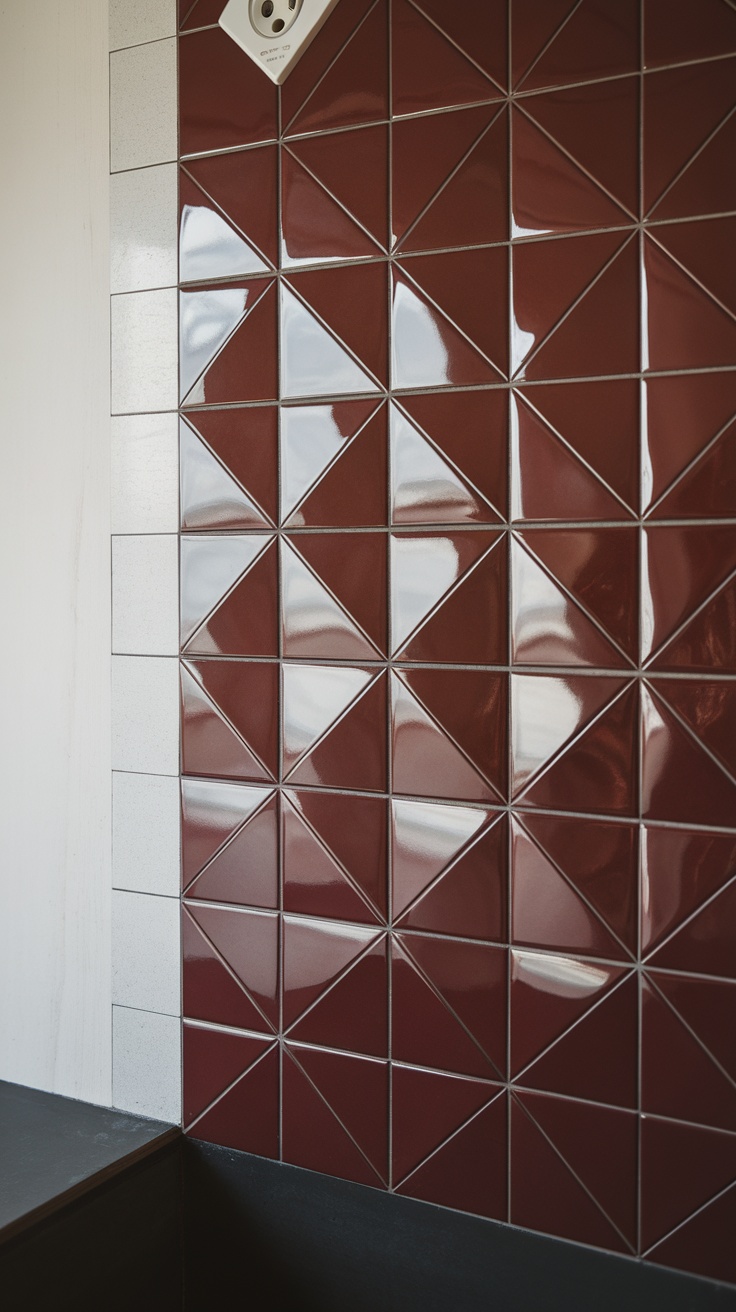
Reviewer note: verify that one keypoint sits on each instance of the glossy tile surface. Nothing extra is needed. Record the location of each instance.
(458, 609)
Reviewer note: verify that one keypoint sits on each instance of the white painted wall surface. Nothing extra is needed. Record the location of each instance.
(55, 896)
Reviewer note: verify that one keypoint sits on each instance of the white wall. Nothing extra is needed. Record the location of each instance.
(55, 994)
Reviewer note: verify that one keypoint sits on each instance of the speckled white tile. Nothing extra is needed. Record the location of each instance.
(146, 814)
(134, 21)
(146, 1064)
(145, 952)
(144, 352)
(143, 119)
(145, 474)
(143, 229)
(145, 595)
(145, 714)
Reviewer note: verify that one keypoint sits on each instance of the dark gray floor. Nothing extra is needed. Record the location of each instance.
(52, 1149)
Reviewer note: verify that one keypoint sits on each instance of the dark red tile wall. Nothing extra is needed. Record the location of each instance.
(459, 610)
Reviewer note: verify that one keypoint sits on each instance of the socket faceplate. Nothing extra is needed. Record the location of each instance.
(276, 53)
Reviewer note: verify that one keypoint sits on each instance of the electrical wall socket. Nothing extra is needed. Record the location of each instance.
(275, 33)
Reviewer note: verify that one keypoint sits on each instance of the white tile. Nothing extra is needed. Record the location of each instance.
(146, 1064)
(145, 474)
(145, 352)
(145, 595)
(145, 714)
(143, 128)
(145, 833)
(134, 21)
(145, 952)
(143, 229)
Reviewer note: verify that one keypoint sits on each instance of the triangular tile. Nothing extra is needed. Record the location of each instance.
(425, 487)
(354, 570)
(342, 23)
(471, 980)
(246, 367)
(546, 911)
(679, 781)
(248, 942)
(470, 429)
(599, 771)
(426, 150)
(211, 814)
(679, 1079)
(546, 1196)
(425, 760)
(210, 991)
(705, 943)
(314, 228)
(354, 88)
(247, 697)
(670, 1194)
(316, 955)
(481, 32)
(227, 859)
(469, 899)
(684, 327)
(681, 870)
(682, 106)
(210, 496)
(703, 249)
(313, 623)
(210, 567)
(696, 35)
(362, 192)
(424, 570)
(246, 621)
(600, 858)
(313, 362)
(426, 839)
(683, 415)
(354, 1014)
(454, 632)
(333, 295)
(207, 317)
(472, 208)
(209, 247)
(551, 194)
(702, 1244)
(469, 1172)
(312, 1136)
(314, 698)
(548, 995)
(577, 345)
(597, 1058)
(600, 421)
(548, 279)
(470, 706)
(214, 1059)
(428, 350)
(600, 39)
(428, 1108)
(709, 708)
(708, 183)
(709, 488)
(353, 753)
(707, 556)
(463, 284)
(429, 72)
(538, 734)
(243, 184)
(221, 117)
(598, 126)
(533, 24)
(211, 745)
(600, 1146)
(313, 437)
(355, 832)
(356, 1090)
(425, 1031)
(351, 493)
(709, 1007)
(548, 628)
(247, 1119)
(314, 883)
(708, 642)
(600, 570)
(246, 443)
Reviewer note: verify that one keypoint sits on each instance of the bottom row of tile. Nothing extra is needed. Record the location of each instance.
(543, 1162)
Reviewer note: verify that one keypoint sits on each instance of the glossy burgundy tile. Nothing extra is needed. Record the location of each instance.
(214, 1060)
(230, 843)
(549, 994)
(680, 781)
(224, 99)
(480, 31)
(440, 471)
(684, 414)
(362, 193)
(229, 595)
(428, 350)
(551, 194)
(683, 1075)
(308, 72)
(598, 38)
(689, 900)
(319, 1089)
(682, 107)
(334, 465)
(209, 246)
(354, 88)
(684, 327)
(683, 1168)
(230, 719)
(677, 33)
(334, 726)
(334, 603)
(683, 568)
(448, 1004)
(429, 70)
(707, 184)
(448, 598)
(228, 344)
(462, 284)
(335, 856)
(352, 302)
(246, 1116)
(449, 734)
(240, 187)
(231, 967)
(228, 469)
(335, 986)
(314, 228)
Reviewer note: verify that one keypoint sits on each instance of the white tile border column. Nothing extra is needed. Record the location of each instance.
(146, 1011)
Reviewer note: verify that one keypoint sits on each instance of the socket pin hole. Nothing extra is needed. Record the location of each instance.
(279, 24)
(267, 8)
